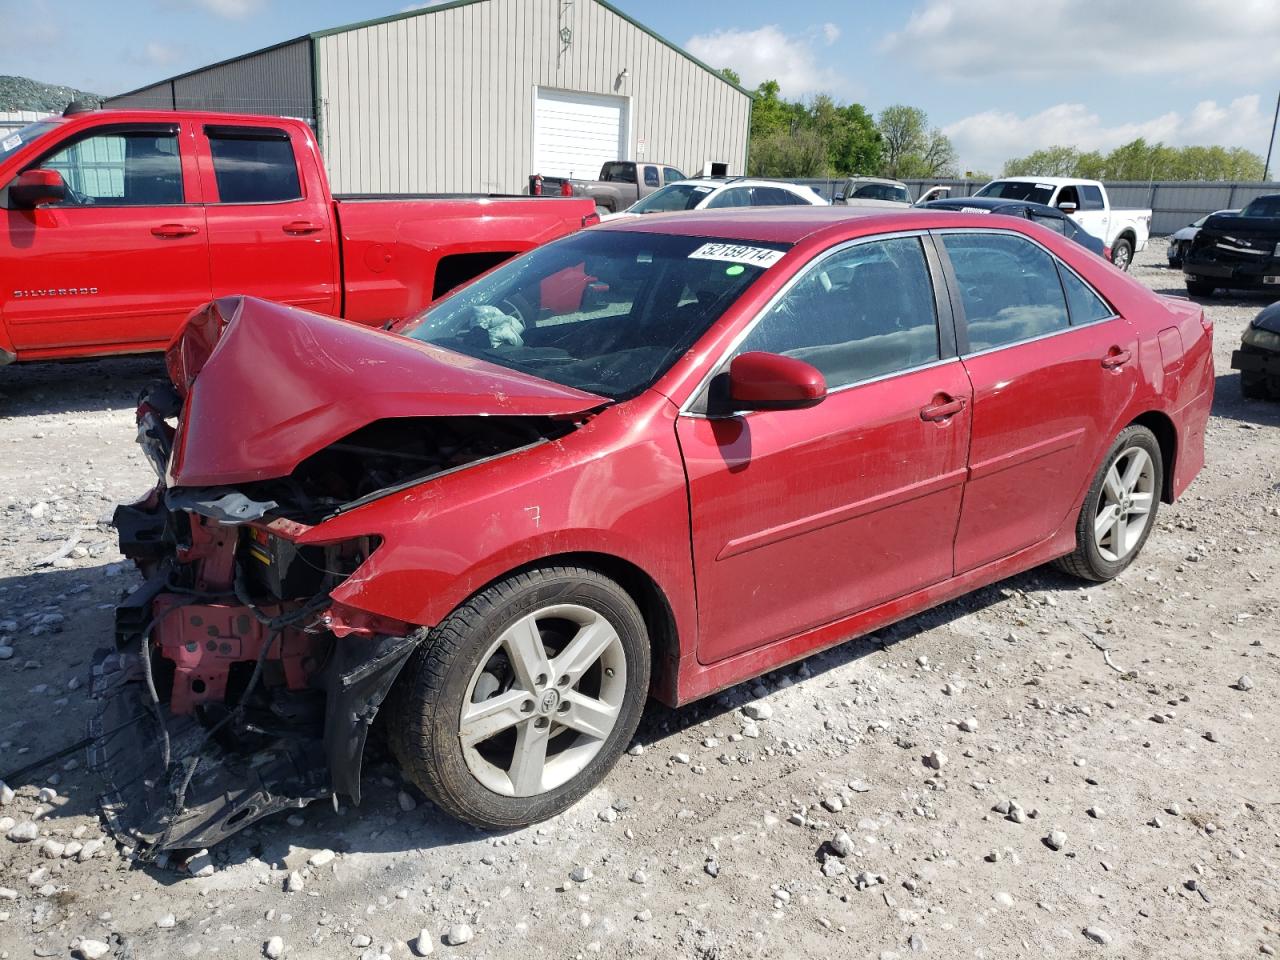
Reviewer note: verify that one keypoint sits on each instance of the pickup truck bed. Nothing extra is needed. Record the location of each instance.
(115, 225)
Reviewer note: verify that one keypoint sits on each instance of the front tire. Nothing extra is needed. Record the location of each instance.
(1122, 254)
(1119, 510)
(1253, 386)
(1200, 288)
(524, 697)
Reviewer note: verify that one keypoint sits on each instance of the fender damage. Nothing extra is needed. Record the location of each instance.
(237, 687)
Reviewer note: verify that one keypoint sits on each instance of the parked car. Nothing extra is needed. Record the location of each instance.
(1180, 240)
(621, 183)
(1258, 358)
(1125, 232)
(1049, 217)
(116, 224)
(609, 469)
(1240, 251)
(872, 192)
(714, 193)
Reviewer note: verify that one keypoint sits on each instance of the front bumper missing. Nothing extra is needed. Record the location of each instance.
(258, 707)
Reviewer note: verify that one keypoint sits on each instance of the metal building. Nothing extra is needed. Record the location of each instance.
(474, 95)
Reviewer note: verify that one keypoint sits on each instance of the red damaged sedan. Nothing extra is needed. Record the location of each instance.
(654, 458)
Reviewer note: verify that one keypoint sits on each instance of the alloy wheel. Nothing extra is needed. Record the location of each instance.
(543, 701)
(1124, 507)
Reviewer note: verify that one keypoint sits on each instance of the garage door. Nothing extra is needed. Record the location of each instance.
(574, 133)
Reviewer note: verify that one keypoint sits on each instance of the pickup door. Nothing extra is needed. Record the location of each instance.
(270, 224)
(124, 258)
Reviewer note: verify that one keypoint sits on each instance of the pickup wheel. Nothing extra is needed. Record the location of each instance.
(1119, 510)
(1253, 386)
(1122, 253)
(524, 697)
(1200, 288)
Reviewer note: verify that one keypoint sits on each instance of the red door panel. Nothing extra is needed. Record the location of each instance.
(123, 260)
(271, 232)
(801, 517)
(1042, 414)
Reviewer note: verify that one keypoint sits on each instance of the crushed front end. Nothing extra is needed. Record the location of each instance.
(236, 686)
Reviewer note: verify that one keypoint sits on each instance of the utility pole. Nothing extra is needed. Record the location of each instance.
(1266, 167)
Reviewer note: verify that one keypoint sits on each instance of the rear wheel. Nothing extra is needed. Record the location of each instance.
(1119, 509)
(1200, 288)
(1253, 386)
(523, 698)
(1122, 253)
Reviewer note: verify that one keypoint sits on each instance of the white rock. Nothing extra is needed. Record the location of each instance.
(47, 795)
(321, 858)
(1245, 683)
(294, 883)
(758, 711)
(423, 943)
(936, 760)
(92, 949)
(6, 794)
(168, 921)
(1056, 840)
(273, 949)
(459, 934)
(52, 850)
(969, 725)
(406, 801)
(8, 893)
(24, 832)
(842, 844)
(581, 874)
(89, 850)
(361, 940)
(1097, 935)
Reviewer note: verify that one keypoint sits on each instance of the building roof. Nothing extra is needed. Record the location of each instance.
(423, 12)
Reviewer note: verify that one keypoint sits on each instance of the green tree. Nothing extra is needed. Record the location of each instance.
(1049, 162)
(910, 148)
(789, 155)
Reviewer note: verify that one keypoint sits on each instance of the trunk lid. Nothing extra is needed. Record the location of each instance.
(266, 386)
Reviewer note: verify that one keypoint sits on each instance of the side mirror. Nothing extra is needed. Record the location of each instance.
(1067, 207)
(34, 188)
(768, 381)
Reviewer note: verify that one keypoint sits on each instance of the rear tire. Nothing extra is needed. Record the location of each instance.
(1201, 288)
(524, 697)
(1125, 491)
(1122, 254)
(1253, 386)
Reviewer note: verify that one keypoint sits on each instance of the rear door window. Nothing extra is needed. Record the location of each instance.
(733, 197)
(116, 168)
(1083, 303)
(1090, 197)
(1009, 287)
(254, 165)
(773, 197)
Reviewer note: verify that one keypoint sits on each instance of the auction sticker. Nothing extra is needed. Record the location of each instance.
(738, 253)
(11, 143)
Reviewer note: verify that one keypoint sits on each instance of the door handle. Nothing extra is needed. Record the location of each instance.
(1116, 358)
(170, 230)
(942, 408)
(301, 227)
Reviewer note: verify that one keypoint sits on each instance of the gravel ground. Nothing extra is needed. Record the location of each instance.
(1040, 769)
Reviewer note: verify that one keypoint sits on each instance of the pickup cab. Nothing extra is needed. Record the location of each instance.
(1125, 232)
(621, 183)
(115, 225)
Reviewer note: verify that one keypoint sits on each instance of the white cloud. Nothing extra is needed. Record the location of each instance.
(159, 54)
(984, 141)
(770, 54)
(1192, 38)
(229, 9)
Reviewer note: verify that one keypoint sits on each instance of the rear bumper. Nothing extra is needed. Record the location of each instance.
(1260, 362)
(1230, 273)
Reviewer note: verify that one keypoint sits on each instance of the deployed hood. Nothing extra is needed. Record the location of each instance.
(266, 386)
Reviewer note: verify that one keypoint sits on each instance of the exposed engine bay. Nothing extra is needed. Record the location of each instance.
(237, 687)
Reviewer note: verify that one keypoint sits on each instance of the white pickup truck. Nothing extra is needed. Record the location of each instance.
(1125, 232)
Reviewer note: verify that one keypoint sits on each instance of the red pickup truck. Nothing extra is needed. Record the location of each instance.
(114, 225)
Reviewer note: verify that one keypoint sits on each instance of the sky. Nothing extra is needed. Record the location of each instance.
(999, 77)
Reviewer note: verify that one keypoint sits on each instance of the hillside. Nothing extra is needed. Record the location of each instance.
(21, 93)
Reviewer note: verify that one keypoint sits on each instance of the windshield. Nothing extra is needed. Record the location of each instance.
(675, 196)
(1017, 190)
(603, 311)
(1263, 207)
(882, 191)
(13, 142)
